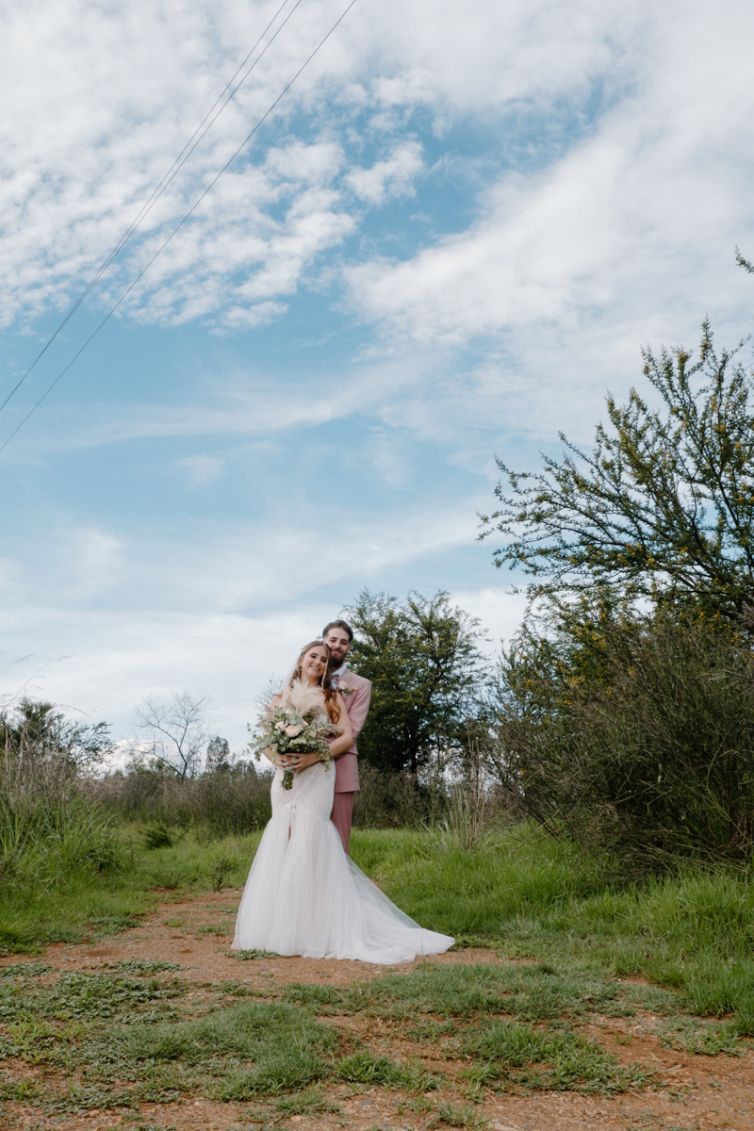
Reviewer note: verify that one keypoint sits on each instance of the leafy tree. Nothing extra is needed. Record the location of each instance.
(662, 507)
(632, 732)
(35, 732)
(423, 659)
(219, 758)
(46, 827)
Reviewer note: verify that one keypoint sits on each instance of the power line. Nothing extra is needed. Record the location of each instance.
(198, 135)
(260, 122)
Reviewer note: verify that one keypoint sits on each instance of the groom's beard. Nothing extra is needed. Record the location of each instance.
(336, 667)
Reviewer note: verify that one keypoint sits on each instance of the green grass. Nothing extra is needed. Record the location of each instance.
(449, 1115)
(130, 1032)
(86, 904)
(702, 1038)
(543, 1059)
(527, 992)
(366, 1068)
(510, 1020)
(519, 891)
(240, 1051)
(118, 1041)
(477, 892)
(535, 898)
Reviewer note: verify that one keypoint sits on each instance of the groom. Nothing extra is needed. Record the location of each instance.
(356, 692)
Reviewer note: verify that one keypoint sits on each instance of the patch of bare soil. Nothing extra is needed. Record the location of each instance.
(688, 1092)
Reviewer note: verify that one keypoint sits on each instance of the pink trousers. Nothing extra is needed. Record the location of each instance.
(342, 816)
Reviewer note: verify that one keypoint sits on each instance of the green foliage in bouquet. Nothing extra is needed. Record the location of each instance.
(287, 730)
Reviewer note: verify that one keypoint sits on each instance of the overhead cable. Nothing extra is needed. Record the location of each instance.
(260, 122)
(209, 119)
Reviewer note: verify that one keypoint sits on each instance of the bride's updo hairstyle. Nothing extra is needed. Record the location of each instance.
(331, 704)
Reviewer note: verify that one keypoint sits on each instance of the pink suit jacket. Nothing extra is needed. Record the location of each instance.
(357, 705)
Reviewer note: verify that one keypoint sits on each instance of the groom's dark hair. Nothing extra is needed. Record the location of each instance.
(338, 624)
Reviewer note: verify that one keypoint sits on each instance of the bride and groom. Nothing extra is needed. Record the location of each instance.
(304, 894)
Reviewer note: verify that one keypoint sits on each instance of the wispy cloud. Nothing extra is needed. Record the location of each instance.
(452, 238)
(394, 176)
(78, 170)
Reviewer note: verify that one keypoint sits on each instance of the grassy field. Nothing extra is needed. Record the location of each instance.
(662, 965)
(518, 891)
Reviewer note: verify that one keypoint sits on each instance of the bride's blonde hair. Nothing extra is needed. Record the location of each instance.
(331, 704)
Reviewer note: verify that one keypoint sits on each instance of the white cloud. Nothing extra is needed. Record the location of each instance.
(79, 167)
(499, 610)
(392, 177)
(614, 229)
(201, 469)
(456, 60)
(109, 662)
(289, 556)
(95, 559)
(212, 614)
(244, 403)
(389, 457)
(102, 665)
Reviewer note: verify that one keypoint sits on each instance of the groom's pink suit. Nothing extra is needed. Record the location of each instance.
(357, 692)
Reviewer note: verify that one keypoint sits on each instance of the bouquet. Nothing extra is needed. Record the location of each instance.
(294, 727)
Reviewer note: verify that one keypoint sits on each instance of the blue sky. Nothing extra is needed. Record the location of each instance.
(451, 239)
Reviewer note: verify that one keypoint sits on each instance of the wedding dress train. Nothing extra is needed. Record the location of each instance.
(304, 895)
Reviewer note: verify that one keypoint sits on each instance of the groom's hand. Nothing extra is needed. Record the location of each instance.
(304, 761)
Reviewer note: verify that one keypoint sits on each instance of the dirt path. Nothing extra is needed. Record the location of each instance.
(688, 1092)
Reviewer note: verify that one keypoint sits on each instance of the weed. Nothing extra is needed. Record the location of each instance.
(527, 992)
(18, 1091)
(364, 1068)
(24, 970)
(703, 1038)
(135, 966)
(221, 870)
(211, 929)
(542, 1059)
(158, 835)
(448, 1116)
(309, 1102)
(242, 1051)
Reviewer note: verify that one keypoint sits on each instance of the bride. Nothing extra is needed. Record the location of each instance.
(304, 896)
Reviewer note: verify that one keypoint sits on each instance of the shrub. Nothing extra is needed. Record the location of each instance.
(215, 804)
(634, 733)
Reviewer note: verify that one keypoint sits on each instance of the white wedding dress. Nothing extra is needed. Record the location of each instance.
(305, 896)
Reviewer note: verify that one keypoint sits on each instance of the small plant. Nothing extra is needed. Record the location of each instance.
(222, 868)
(158, 835)
(365, 1068)
(448, 1116)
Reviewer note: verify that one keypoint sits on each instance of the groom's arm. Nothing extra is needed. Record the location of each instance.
(358, 707)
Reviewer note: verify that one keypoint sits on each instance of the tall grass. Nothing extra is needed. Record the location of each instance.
(529, 895)
(53, 842)
(222, 803)
(516, 890)
(48, 831)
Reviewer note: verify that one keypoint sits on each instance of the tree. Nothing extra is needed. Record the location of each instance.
(219, 758)
(631, 731)
(424, 662)
(175, 730)
(662, 507)
(35, 732)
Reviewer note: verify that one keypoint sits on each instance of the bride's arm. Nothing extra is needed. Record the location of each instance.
(342, 742)
(270, 754)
